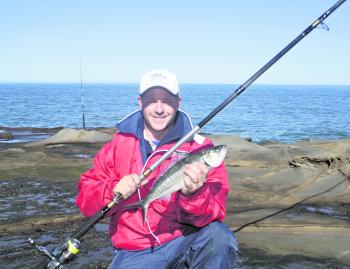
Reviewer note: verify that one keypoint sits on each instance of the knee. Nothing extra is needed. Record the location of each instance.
(222, 236)
(215, 246)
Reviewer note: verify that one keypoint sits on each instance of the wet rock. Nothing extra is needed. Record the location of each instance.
(249, 139)
(56, 146)
(6, 135)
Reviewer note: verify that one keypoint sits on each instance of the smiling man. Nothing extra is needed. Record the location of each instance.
(184, 230)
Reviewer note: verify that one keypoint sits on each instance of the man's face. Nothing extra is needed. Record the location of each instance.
(159, 109)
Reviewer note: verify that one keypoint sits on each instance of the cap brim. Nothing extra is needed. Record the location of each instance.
(159, 87)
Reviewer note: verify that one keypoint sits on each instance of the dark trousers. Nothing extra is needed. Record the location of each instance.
(213, 246)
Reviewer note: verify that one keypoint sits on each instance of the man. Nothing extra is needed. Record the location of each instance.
(184, 230)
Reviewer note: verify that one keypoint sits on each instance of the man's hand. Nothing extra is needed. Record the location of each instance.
(195, 175)
(128, 185)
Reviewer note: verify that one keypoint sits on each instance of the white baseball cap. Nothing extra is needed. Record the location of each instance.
(159, 78)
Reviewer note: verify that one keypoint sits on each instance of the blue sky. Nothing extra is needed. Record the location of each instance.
(200, 41)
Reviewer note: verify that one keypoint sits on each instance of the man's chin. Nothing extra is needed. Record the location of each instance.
(159, 127)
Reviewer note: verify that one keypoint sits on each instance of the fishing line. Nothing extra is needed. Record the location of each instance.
(140, 199)
(323, 26)
(289, 207)
(82, 94)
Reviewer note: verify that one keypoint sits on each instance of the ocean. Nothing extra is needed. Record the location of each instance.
(284, 113)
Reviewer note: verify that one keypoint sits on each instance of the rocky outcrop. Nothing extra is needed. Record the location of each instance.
(6, 135)
(291, 199)
(284, 199)
(74, 136)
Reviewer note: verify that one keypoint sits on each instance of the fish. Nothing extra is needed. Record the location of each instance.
(172, 180)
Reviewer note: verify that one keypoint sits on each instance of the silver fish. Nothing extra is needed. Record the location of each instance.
(172, 180)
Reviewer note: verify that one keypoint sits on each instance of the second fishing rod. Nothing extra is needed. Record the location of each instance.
(70, 249)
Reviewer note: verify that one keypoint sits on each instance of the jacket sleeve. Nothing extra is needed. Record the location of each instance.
(96, 185)
(208, 204)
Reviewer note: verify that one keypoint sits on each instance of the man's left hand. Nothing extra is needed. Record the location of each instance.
(195, 175)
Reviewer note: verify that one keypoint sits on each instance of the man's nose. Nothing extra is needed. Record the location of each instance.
(159, 106)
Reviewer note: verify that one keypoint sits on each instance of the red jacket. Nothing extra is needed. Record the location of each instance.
(169, 217)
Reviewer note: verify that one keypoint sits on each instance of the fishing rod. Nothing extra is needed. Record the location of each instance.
(82, 95)
(70, 249)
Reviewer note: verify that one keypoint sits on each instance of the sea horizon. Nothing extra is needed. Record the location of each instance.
(181, 84)
(264, 112)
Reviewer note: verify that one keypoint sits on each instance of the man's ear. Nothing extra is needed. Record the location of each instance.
(139, 100)
(178, 103)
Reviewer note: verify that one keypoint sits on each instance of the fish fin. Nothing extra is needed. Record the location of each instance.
(182, 154)
(131, 206)
(144, 208)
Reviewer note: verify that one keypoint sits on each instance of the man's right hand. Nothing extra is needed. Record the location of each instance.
(128, 185)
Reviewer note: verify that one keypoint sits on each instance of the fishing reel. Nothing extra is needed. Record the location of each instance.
(60, 255)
